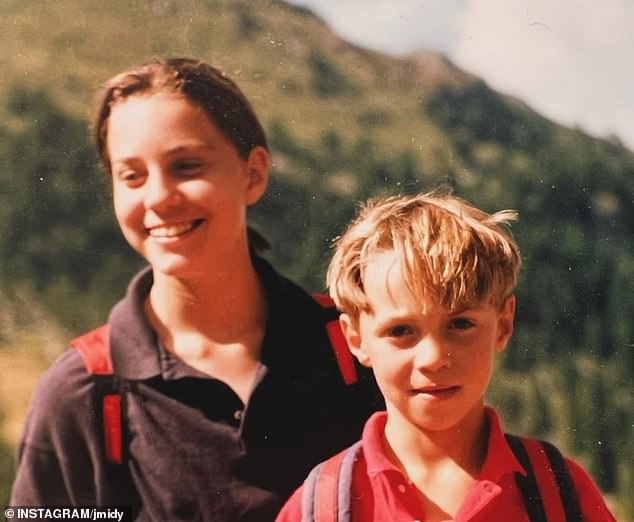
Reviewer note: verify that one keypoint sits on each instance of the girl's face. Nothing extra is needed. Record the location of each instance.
(180, 188)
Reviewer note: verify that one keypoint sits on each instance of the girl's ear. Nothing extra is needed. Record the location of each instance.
(505, 323)
(258, 173)
(350, 329)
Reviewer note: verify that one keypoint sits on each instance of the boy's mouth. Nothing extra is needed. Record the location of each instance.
(437, 392)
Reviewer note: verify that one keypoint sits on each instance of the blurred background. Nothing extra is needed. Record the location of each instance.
(352, 109)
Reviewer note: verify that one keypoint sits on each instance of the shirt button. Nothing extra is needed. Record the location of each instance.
(401, 488)
(238, 414)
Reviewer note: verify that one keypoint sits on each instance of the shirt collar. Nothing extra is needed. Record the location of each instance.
(133, 343)
(373, 448)
(136, 351)
(499, 460)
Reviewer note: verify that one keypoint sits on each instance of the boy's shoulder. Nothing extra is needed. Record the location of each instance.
(555, 483)
(546, 480)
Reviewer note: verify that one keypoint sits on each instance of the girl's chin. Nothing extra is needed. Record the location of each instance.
(175, 267)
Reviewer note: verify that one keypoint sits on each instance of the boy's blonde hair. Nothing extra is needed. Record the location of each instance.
(451, 252)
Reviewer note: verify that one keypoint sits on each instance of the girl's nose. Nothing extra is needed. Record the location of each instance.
(432, 354)
(160, 191)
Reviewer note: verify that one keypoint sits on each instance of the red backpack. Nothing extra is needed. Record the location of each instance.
(94, 348)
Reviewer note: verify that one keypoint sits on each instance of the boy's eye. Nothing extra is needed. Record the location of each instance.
(400, 330)
(460, 323)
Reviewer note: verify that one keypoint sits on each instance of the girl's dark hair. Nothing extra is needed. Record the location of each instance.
(196, 81)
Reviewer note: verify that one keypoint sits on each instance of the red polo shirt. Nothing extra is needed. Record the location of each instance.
(382, 492)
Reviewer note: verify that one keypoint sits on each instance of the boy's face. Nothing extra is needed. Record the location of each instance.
(432, 366)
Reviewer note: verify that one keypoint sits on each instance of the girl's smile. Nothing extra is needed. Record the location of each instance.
(167, 232)
(180, 187)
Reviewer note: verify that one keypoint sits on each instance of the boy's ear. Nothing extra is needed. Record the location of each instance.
(505, 323)
(258, 172)
(350, 331)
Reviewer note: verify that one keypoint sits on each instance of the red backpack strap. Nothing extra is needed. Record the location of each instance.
(111, 411)
(338, 341)
(94, 348)
(547, 488)
(327, 492)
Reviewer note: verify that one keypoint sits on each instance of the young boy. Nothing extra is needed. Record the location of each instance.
(425, 286)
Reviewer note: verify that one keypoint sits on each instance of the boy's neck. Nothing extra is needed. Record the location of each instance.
(464, 445)
(443, 465)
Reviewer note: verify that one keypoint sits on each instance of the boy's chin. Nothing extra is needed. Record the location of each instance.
(439, 422)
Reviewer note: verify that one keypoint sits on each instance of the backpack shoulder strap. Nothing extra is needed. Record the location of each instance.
(327, 492)
(547, 488)
(564, 482)
(94, 348)
(527, 484)
(338, 341)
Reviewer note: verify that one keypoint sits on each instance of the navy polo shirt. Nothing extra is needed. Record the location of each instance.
(193, 449)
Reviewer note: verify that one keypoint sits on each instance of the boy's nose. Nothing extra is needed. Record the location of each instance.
(432, 354)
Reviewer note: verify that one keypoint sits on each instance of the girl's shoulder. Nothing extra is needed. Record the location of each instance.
(63, 402)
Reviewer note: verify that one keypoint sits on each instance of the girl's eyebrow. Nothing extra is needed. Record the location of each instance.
(178, 149)
(189, 146)
(123, 162)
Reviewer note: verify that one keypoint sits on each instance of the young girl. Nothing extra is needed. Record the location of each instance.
(229, 388)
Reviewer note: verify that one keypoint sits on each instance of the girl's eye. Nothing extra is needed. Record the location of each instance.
(188, 167)
(460, 323)
(131, 177)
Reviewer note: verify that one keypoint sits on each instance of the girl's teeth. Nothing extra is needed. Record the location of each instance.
(171, 230)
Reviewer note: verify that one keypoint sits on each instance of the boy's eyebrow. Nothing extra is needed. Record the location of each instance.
(466, 307)
(395, 317)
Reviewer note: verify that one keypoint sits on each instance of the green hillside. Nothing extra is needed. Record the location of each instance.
(344, 123)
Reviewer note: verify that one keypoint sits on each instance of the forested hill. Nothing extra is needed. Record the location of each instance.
(344, 123)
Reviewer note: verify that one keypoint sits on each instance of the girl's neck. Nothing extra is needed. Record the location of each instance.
(220, 304)
(214, 323)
